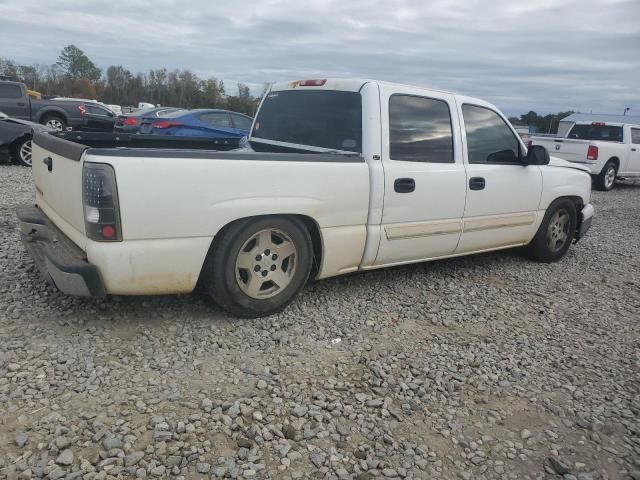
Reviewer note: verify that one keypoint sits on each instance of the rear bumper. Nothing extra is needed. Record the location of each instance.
(60, 261)
(586, 218)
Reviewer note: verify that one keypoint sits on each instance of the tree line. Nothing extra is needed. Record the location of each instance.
(75, 75)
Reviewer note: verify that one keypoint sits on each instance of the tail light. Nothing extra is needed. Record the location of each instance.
(165, 124)
(100, 200)
(592, 152)
(82, 109)
(131, 121)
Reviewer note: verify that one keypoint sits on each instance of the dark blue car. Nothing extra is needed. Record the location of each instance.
(199, 123)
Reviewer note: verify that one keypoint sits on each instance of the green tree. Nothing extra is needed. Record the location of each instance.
(76, 65)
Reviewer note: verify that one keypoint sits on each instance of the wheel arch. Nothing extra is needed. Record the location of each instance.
(616, 161)
(53, 112)
(309, 223)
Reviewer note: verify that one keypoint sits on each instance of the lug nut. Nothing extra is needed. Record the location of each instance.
(265, 273)
(274, 257)
(258, 257)
(256, 268)
(273, 268)
(267, 252)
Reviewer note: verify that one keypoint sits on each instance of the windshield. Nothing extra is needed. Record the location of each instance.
(327, 119)
(607, 133)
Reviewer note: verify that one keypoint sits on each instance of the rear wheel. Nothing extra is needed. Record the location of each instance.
(22, 152)
(607, 177)
(554, 237)
(257, 266)
(54, 122)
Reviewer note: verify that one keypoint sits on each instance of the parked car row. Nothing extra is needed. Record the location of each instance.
(27, 111)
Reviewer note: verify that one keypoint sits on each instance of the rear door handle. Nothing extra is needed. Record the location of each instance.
(476, 183)
(633, 149)
(404, 185)
(48, 161)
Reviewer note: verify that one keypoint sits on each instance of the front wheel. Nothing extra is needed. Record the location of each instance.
(556, 232)
(22, 152)
(607, 177)
(258, 265)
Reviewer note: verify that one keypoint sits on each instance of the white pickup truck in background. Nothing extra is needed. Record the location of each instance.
(609, 150)
(342, 175)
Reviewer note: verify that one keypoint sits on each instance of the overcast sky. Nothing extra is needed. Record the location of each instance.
(545, 55)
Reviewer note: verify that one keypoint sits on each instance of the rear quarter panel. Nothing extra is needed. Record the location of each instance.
(171, 209)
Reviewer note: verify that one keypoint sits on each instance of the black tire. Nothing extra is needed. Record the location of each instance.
(545, 246)
(603, 180)
(21, 151)
(222, 279)
(54, 121)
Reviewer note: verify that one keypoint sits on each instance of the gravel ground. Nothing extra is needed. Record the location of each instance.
(478, 368)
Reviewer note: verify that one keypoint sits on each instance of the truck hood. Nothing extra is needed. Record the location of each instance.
(559, 162)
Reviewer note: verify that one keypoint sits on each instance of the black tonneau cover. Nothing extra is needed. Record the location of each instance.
(127, 140)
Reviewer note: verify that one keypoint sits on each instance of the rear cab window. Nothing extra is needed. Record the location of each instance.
(320, 119)
(596, 131)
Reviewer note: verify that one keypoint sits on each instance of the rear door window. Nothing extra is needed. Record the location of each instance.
(606, 133)
(218, 119)
(635, 136)
(243, 123)
(420, 129)
(10, 90)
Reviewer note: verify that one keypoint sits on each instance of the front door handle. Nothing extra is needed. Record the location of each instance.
(21, 104)
(476, 183)
(404, 185)
(48, 161)
(633, 149)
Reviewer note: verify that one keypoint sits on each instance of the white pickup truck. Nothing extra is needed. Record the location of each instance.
(341, 175)
(609, 150)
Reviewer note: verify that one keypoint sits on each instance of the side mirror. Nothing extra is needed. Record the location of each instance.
(537, 155)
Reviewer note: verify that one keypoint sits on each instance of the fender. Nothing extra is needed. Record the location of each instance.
(52, 109)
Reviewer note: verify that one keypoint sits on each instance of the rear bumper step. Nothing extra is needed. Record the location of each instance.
(59, 260)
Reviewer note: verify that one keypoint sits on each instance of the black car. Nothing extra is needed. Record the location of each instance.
(16, 135)
(97, 118)
(131, 123)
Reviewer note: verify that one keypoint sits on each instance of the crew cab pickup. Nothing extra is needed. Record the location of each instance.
(609, 150)
(16, 102)
(341, 175)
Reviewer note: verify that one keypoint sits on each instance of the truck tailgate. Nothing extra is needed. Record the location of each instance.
(565, 148)
(57, 173)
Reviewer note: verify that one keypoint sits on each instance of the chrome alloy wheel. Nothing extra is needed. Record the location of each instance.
(55, 124)
(610, 177)
(558, 230)
(266, 264)
(25, 153)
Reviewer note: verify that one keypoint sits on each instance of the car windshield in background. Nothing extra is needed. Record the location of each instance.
(608, 133)
(317, 118)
